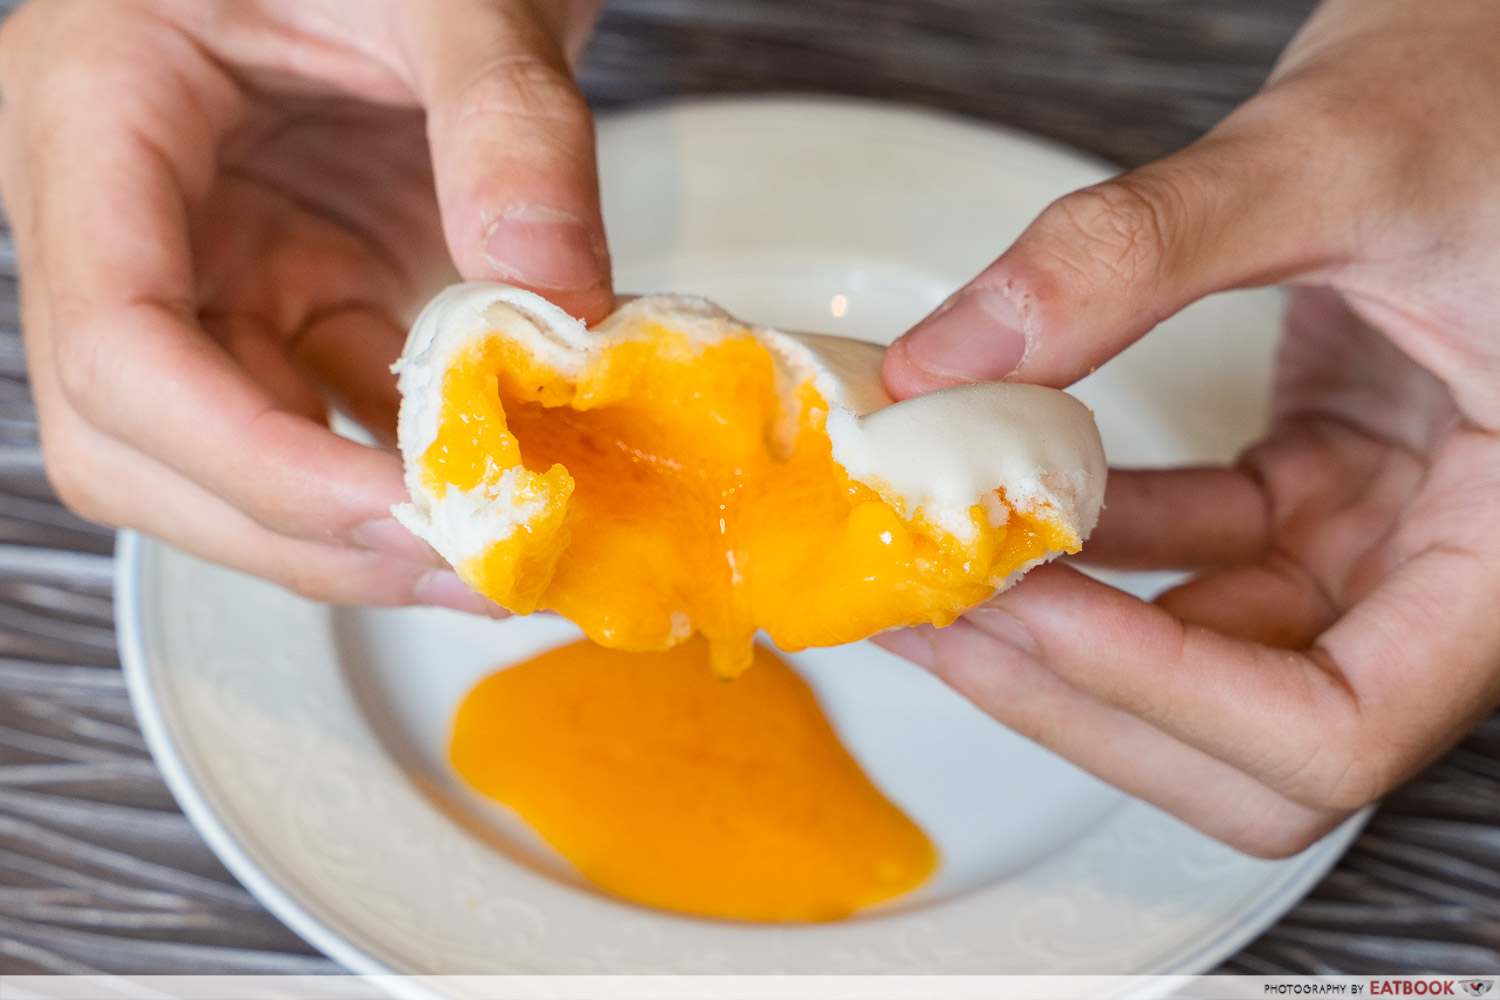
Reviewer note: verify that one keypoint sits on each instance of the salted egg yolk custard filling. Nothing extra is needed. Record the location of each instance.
(674, 471)
(671, 788)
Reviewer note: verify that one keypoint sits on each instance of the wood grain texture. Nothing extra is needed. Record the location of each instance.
(100, 872)
(1128, 80)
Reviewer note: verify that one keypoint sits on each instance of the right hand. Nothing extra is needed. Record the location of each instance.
(225, 212)
(1339, 631)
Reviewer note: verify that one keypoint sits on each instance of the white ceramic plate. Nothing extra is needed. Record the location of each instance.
(307, 743)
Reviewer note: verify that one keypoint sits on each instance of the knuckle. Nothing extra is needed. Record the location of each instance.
(26, 29)
(72, 479)
(1343, 756)
(79, 347)
(61, 41)
(313, 584)
(1281, 832)
(1366, 777)
(1342, 775)
(524, 87)
(1122, 226)
(363, 579)
(13, 44)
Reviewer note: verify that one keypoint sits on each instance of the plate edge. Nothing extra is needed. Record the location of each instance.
(135, 663)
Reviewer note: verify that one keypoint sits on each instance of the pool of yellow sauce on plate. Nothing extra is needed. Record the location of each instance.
(670, 787)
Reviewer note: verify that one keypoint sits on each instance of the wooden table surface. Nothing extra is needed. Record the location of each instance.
(99, 872)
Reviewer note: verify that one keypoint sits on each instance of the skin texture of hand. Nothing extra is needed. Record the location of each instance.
(1342, 629)
(225, 212)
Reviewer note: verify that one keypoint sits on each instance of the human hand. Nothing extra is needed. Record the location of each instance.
(225, 212)
(1342, 631)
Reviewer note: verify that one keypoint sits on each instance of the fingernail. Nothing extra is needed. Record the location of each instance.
(389, 537)
(1002, 625)
(977, 337)
(909, 643)
(544, 247)
(442, 588)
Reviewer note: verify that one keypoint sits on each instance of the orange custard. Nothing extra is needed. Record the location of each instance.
(669, 787)
(664, 501)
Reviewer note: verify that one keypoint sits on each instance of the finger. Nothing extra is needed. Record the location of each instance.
(211, 424)
(1100, 267)
(260, 354)
(109, 482)
(1277, 715)
(1333, 726)
(1274, 602)
(348, 352)
(1421, 649)
(123, 340)
(974, 657)
(1179, 519)
(513, 151)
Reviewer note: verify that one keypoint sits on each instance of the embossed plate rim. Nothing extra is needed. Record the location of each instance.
(267, 879)
(191, 793)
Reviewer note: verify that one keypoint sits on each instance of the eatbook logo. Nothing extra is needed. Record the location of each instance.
(1478, 987)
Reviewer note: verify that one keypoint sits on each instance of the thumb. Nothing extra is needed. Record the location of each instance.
(512, 149)
(1102, 266)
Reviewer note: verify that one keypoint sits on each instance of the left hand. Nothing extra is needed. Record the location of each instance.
(1343, 630)
(225, 212)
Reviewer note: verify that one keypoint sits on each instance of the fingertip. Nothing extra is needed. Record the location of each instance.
(443, 588)
(978, 335)
(390, 537)
(554, 253)
(904, 379)
(1049, 598)
(909, 644)
(1003, 626)
(546, 249)
(590, 305)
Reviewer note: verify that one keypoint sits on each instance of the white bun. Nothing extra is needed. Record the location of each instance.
(934, 455)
